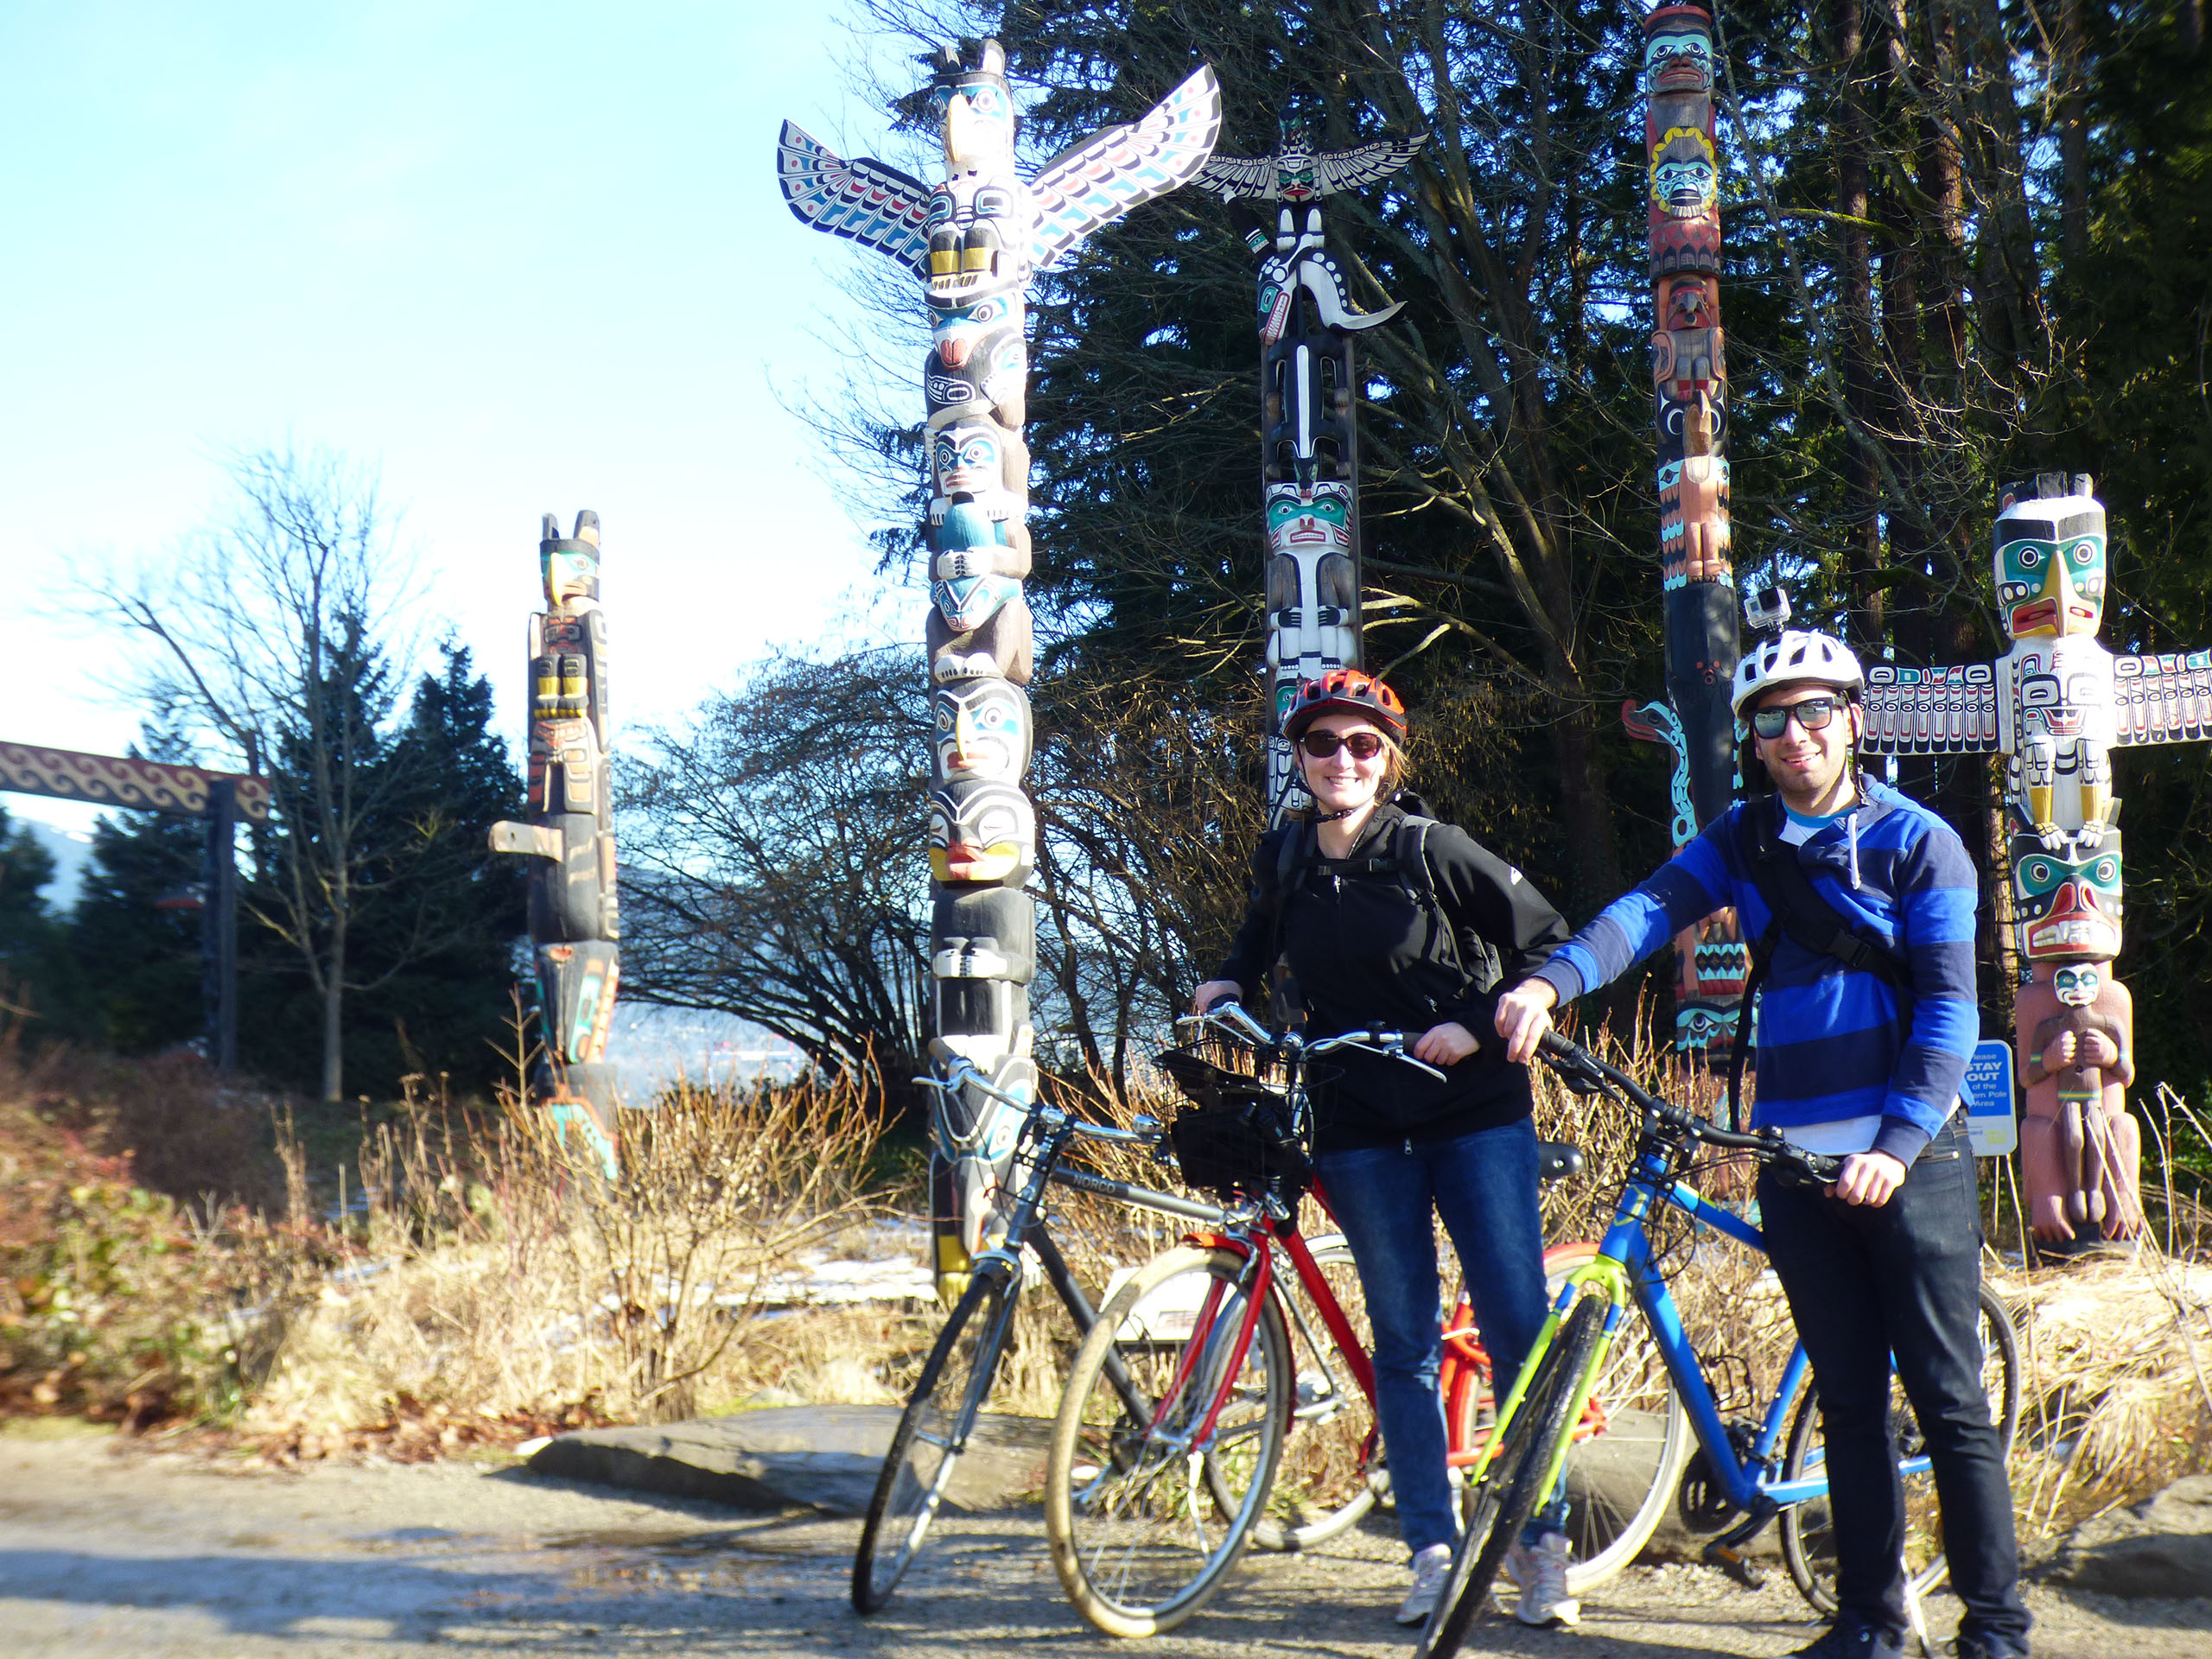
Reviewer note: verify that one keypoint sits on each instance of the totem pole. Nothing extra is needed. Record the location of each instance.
(2055, 706)
(975, 242)
(1690, 404)
(569, 841)
(1309, 467)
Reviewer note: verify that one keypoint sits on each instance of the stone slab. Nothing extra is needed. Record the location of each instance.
(2159, 1548)
(824, 1457)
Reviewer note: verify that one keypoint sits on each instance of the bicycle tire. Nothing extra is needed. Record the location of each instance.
(1808, 1538)
(1331, 1470)
(1125, 1513)
(940, 1413)
(1508, 1495)
(1629, 1447)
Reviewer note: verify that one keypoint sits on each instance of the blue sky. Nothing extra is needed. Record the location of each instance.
(521, 258)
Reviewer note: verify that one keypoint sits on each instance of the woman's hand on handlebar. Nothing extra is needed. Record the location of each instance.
(1868, 1177)
(1216, 990)
(1524, 1014)
(1445, 1045)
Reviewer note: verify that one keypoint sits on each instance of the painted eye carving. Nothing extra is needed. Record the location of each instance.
(2028, 557)
(2085, 553)
(2106, 872)
(2036, 873)
(976, 451)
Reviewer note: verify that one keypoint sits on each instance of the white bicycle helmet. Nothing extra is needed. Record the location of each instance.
(1793, 655)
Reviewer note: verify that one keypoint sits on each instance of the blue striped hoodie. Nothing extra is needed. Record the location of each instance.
(1833, 1043)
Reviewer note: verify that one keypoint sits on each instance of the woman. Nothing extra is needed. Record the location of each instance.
(1392, 1143)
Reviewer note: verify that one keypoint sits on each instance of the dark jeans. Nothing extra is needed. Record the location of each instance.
(1864, 1284)
(1485, 1186)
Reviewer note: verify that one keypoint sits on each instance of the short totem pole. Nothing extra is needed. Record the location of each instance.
(1309, 438)
(1690, 407)
(975, 242)
(569, 840)
(2056, 706)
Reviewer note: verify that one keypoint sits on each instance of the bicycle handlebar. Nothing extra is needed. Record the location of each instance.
(1374, 1040)
(1812, 1168)
(963, 1073)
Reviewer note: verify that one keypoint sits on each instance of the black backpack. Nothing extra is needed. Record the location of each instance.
(1469, 956)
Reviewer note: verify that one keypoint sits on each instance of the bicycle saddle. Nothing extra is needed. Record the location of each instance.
(1556, 1160)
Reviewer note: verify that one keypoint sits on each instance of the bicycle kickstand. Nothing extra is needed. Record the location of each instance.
(1728, 1551)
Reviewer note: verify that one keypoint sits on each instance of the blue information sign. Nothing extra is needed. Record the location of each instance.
(1988, 1093)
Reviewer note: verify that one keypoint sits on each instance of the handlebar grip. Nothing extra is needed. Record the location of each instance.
(1559, 1047)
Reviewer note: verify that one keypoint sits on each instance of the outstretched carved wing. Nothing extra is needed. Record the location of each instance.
(1110, 172)
(2163, 699)
(1364, 164)
(1233, 177)
(1931, 711)
(876, 206)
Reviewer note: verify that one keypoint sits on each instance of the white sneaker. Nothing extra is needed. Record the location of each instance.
(1430, 1567)
(1540, 1571)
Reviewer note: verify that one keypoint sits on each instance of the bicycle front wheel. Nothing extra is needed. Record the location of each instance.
(1807, 1529)
(1629, 1444)
(1150, 1500)
(933, 1432)
(1333, 1468)
(1511, 1491)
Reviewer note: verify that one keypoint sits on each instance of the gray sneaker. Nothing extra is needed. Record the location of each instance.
(1540, 1570)
(1430, 1567)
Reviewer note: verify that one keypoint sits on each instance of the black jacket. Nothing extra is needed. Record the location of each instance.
(1357, 943)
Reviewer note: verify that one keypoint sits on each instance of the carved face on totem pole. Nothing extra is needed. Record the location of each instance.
(2068, 903)
(975, 456)
(1309, 522)
(1685, 184)
(1677, 53)
(982, 832)
(982, 730)
(974, 107)
(2078, 987)
(2050, 566)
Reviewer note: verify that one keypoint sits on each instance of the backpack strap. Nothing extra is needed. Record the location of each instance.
(1796, 908)
(1410, 861)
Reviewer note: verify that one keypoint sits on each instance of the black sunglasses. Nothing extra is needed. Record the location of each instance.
(1813, 714)
(1365, 745)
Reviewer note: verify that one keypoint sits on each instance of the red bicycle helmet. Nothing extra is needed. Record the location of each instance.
(1346, 691)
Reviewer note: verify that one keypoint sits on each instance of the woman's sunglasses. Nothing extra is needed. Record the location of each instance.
(1365, 745)
(1812, 715)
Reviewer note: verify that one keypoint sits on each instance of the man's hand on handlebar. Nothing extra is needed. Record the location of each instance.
(1868, 1177)
(1216, 990)
(1445, 1045)
(1524, 1014)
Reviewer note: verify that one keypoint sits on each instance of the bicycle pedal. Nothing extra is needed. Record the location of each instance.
(1737, 1564)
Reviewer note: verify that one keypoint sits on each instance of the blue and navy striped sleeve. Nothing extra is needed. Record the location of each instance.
(1688, 888)
(1934, 892)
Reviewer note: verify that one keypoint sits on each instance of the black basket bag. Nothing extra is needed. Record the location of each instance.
(1240, 1142)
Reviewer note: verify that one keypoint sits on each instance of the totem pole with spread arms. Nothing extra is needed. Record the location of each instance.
(975, 242)
(1309, 469)
(1690, 409)
(2056, 707)
(569, 840)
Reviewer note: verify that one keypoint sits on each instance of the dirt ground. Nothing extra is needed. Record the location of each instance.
(107, 1552)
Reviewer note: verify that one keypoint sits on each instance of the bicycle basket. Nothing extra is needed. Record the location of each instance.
(1239, 1143)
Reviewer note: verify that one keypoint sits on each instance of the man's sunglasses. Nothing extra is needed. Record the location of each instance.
(1365, 745)
(1813, 714)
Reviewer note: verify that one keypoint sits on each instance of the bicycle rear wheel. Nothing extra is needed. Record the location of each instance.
(1629, 1444)
(933, 1433)
(1807, 1529)
(1509, 1493)
(1146, 1516)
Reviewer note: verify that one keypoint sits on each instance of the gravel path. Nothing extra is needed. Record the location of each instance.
(106, 1554)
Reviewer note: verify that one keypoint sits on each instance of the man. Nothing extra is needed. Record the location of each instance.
(1862, 1045)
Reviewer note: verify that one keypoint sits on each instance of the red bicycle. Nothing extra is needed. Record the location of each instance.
(1248, 1344)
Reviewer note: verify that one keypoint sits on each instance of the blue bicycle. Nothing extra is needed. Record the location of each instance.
(1765, 1471)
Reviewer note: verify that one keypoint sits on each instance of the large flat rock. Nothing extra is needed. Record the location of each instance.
(824, 1457)
(2159, 1548)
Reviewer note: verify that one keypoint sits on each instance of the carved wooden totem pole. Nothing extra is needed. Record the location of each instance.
(1309, 467)
(975, 242)
(569, 840)
(2056, 706)
(1690, 406)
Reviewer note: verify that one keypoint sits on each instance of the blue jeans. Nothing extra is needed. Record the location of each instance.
(1485, 1186)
